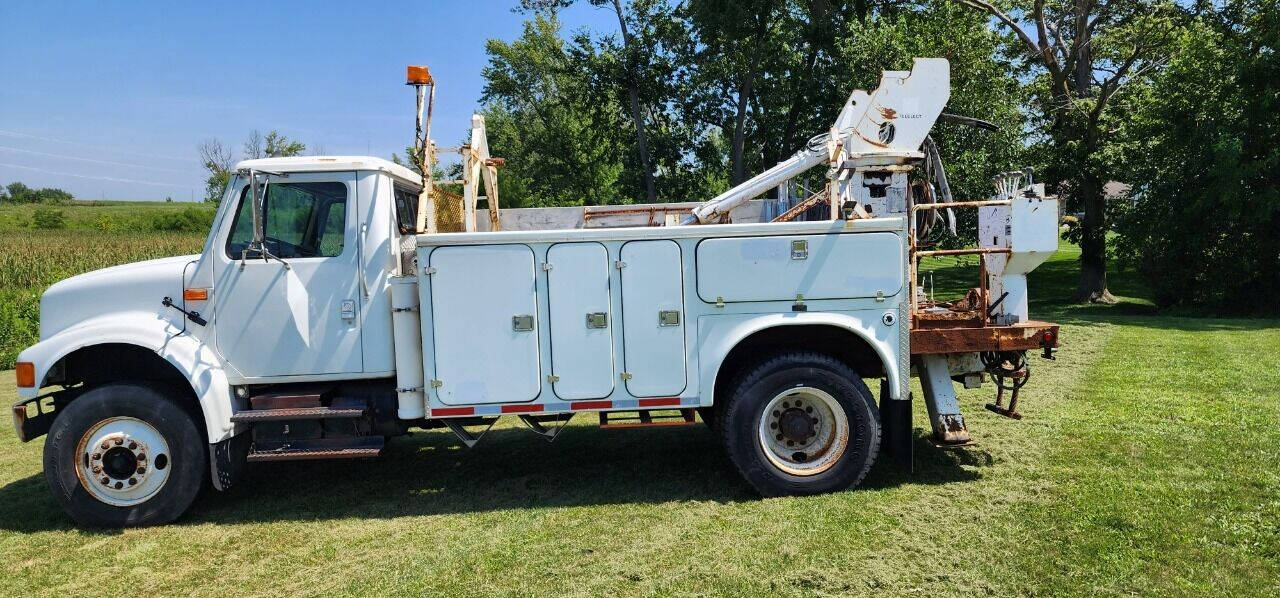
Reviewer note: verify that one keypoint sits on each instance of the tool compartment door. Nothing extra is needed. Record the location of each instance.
(653, 318)
(484, 315)
(778, 268)
(581, 323)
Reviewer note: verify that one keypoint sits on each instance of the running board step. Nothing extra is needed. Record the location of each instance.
(312, 454)
(268, 415)
(647, 418)
(355, 447)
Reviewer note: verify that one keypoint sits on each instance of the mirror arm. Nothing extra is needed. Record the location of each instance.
(259, 235)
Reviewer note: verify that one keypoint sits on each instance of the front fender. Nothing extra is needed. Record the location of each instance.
(197, 362)
(721, 333)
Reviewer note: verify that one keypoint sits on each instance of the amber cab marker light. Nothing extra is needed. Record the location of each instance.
(26, 372)
(195, 294)
(418, 75)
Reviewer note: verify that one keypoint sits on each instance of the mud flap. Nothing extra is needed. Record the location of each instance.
(227, 460)
(895, 429)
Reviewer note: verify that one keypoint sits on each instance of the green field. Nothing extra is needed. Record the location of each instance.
(96, 235)
(1148, 463)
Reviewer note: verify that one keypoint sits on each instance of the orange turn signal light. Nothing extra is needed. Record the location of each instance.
(195, 294)
(26, 372)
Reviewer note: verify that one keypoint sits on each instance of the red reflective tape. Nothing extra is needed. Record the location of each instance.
(591, 405)
(447, 411)
(660, 402)
(521, 408)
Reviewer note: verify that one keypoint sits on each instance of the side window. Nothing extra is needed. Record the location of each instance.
(406, 210)
(300, 220)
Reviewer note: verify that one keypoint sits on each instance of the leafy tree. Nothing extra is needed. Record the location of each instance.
(558, 125)
(278, 145)
(634, 51)
(1083, 52)
(18, 192)
(51, 195)
(731, 46)
(273, 145)
(48, 219)
(217, 161)
(1204, 225)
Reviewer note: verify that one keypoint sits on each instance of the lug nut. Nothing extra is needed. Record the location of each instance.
(142, 456)
(119, 441)
(106, 480)
(97, 456)
(142, 470)
(96, 469)
(105, 445)
(132, 445)
(133, 481)
(119, 485)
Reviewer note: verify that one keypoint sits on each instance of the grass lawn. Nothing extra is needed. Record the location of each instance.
(1148, 462)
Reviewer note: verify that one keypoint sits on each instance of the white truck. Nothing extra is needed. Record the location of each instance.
(321, 319)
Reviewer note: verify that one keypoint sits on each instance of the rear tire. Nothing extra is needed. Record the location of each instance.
(125, 455)
(800, 423)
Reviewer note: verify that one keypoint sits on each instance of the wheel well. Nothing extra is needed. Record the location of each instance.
(837, 342)
(115, 362)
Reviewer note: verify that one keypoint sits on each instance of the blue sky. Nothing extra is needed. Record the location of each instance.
(109, 99)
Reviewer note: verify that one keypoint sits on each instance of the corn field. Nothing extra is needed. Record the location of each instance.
(31, 260)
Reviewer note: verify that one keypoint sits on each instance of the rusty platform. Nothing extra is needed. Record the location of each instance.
(1023, 336)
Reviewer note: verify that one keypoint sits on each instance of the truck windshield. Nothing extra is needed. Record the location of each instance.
(300, 220)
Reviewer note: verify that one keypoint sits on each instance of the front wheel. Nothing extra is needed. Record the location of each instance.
(801, 423)
(124, 455)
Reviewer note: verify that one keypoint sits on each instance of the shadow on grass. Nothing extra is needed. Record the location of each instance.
(429, 473)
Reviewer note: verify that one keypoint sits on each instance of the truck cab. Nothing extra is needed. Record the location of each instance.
(320, 320)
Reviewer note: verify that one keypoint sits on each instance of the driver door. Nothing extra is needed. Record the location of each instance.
(304, 319)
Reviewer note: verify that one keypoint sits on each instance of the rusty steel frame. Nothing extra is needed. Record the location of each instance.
(653, 210)
(1022, 336)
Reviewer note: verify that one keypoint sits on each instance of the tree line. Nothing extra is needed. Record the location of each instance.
(18, 192)
(1177, 99)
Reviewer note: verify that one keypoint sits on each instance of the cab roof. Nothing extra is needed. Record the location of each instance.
(333, 163)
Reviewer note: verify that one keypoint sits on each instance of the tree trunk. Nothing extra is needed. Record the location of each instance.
(1093, 244)
(633, 98)
(737, 167)
(1093, 237)
(799, 90)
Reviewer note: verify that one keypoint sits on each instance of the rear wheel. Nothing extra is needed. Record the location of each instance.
(124, 455)
(801, 423)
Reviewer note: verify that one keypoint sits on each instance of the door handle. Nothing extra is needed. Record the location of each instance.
(348, 309)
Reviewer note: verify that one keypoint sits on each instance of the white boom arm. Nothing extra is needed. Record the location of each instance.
(893, 120)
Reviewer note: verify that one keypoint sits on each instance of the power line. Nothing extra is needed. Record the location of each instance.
(108, 162)
(5, 133)
(96, 178)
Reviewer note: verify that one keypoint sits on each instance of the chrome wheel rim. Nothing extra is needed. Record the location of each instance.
(122, 461)
(804, 431)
